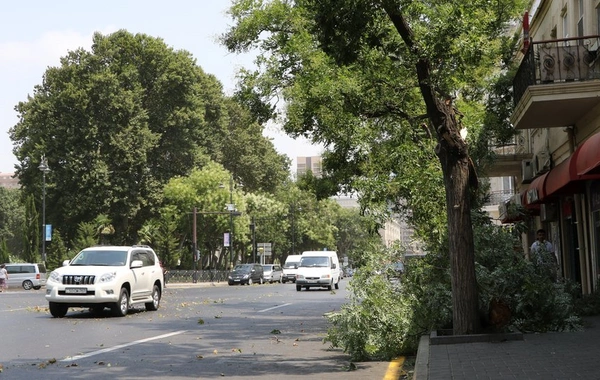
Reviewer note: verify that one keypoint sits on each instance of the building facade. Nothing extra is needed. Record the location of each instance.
(556, 161)
(304, 164)
(8, 181)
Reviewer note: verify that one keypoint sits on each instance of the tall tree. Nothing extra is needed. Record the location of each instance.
(116, 123)
(359, 75)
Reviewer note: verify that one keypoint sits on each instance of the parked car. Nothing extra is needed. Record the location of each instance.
(26, 275)
(272, 273)
(106, 276)
(290, 268)
(246, 274)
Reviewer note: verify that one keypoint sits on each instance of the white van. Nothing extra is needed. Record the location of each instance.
(290, 268)
(318, 269)
(29, 276)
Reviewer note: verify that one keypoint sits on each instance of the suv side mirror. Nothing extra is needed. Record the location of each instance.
(136, 264)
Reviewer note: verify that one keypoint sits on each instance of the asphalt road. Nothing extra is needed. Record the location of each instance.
(269, 331)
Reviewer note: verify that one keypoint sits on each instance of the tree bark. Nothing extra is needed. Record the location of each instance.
(459, 177)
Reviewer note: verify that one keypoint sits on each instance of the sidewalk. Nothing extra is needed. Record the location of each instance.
(566, 355)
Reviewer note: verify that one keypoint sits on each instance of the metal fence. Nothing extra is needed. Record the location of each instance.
(192, 276)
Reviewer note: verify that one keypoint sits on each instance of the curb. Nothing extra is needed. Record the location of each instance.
(182, 285)
(421, 371)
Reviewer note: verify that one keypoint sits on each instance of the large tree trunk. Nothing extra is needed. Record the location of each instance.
(457, 172)
(459, 177)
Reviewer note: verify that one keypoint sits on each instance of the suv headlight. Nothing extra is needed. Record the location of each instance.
(246, 276)
(107, 277)
(300, 277)
(55, 277)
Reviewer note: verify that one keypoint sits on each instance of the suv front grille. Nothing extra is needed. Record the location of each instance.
(78, 280)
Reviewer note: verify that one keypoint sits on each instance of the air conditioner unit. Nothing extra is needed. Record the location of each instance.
(527, 170)
(542, 162)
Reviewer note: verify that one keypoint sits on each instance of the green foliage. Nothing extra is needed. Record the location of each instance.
(163, 235)
(12, 215)
(117, 122)
(586, 304)
(31, 231)
(86, 236)
(4, 255)
(57, 252)
(384, 318)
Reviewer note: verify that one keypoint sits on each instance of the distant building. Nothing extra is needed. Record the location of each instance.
(7, 181)
(304, 164)
(393, 231)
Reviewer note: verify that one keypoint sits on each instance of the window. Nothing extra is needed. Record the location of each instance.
(565, 22)
(598, 20)
(580, 21)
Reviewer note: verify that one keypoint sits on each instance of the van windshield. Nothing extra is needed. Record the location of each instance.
(314, 262)
(291, 264)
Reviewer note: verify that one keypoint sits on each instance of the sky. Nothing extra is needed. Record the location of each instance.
(35, 34)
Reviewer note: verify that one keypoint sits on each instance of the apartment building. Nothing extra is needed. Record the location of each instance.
(8, 181)
(557, 112)
(304, 164)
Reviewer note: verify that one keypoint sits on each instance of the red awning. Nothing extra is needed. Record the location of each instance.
(561, 176)
(588, 156)
(536, 192)
(565, 179)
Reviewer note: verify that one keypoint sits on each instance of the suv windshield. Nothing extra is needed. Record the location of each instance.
(101, 258)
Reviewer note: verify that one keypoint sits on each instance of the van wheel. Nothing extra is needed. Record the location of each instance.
(58, 310)
(37, 287)
(27, 285)
(120, 308)
(153, 306)
(261, 280)
(337, 285)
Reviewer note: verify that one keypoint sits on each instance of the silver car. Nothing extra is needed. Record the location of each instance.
(272, 273)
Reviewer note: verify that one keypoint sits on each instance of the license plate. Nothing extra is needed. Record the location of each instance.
(76, 290)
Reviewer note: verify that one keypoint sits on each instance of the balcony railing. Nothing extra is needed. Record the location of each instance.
(556, 61)
(499, 196)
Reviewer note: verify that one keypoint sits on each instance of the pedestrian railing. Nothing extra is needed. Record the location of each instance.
(192, 276)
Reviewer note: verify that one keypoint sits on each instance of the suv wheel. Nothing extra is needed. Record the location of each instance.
(58, 310)
(27, 285)
(250, 281)
(153, 306)
(120, 308)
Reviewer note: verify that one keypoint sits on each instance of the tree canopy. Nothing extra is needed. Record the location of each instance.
(373, 79)
(118, 122)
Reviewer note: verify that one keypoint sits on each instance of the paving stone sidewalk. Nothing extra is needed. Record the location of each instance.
(546, 356)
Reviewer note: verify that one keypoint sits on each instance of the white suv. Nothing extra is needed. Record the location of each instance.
(106, 276)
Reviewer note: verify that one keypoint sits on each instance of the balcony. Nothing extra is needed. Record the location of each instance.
(557, 83)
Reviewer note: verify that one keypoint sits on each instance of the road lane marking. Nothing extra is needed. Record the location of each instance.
(394, 369)
(274, 307)
(77, 357)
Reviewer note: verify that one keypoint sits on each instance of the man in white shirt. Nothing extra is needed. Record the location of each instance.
(542, 253)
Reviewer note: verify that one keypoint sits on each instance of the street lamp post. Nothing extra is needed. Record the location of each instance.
(45, 169)
(231, 209)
